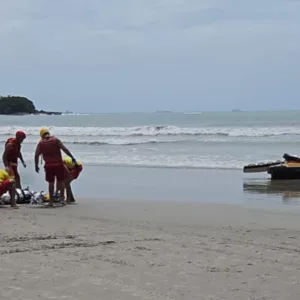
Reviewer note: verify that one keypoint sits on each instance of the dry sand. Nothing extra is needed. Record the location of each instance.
(162, 251)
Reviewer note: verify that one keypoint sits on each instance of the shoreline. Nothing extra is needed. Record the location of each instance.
(169, 185)
(184, 213)
(149, 250)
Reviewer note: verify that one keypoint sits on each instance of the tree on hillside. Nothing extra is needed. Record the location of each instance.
(10, 105)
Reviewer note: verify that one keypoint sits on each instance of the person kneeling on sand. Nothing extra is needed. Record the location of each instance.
(50, 148)
(72, 172)
(7, 184)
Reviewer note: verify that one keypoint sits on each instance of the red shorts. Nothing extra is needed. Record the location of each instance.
(4, 186)
(55, 171)
(75, 172)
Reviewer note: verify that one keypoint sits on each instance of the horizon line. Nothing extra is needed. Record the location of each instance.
(182, 112)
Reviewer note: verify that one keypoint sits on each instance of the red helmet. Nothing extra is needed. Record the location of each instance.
(20, 134)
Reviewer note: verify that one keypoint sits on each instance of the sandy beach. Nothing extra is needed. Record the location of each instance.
(163, 104)
(149, 250)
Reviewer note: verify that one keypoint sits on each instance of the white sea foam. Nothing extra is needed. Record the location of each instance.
(104, 141)
(158, 131)
(169, 146)
(152, 161)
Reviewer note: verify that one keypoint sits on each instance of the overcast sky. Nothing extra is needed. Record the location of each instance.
(147, 55)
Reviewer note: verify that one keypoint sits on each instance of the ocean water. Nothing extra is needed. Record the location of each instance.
(215, 140)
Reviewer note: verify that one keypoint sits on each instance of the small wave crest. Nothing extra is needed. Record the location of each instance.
(120, 142)
(115, 142)
(155, 163)
(165, 130)
(208, 166)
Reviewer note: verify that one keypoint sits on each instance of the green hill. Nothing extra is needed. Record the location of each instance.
(16, 105)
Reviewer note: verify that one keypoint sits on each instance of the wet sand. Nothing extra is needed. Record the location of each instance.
(169, 185)
(172, 234)
(149, 250)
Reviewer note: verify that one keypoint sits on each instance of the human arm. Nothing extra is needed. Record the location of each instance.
(67, 172)
(66, 150)
(22, 160)
(36, 157)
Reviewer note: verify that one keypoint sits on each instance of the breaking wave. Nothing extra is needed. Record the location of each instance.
(167, 130)
(108, 142)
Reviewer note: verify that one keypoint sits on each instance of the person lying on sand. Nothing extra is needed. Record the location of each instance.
(72, 172)
(12, 153)
(50, 148)
(7, 184)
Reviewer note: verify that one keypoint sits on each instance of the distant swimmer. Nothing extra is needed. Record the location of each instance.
(12, 153)
(72, 172)
(50, 148)
(7, 184)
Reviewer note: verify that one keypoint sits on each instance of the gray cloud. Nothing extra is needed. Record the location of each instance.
(148, 55)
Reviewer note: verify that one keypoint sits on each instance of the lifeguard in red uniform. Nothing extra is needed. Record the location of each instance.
(72, 172)
(12, 153)
(50, 148)
(7, 184)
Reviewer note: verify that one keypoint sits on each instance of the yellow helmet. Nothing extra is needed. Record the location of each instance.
(43, 131)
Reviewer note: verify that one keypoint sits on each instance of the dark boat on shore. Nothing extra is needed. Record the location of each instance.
(288, 169)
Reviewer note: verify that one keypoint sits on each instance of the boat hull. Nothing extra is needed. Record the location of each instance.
(286, 171)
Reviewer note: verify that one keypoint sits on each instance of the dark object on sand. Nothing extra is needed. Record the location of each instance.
(287, 169)
(261, 167)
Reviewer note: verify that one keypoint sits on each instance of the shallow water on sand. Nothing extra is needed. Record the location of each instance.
(170, 157)
(189, 185)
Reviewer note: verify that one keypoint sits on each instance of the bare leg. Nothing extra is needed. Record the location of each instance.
(12, 192)
(57, 188)
(72, 199)
(18, 182)
(51, 193)
(68, 180)
(70, 196)
(61, 187)
(14, 171)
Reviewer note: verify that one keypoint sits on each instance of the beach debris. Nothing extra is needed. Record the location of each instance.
(26, 196)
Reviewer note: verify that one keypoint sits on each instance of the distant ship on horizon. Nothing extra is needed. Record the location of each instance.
(163, 112)
(193, 113)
